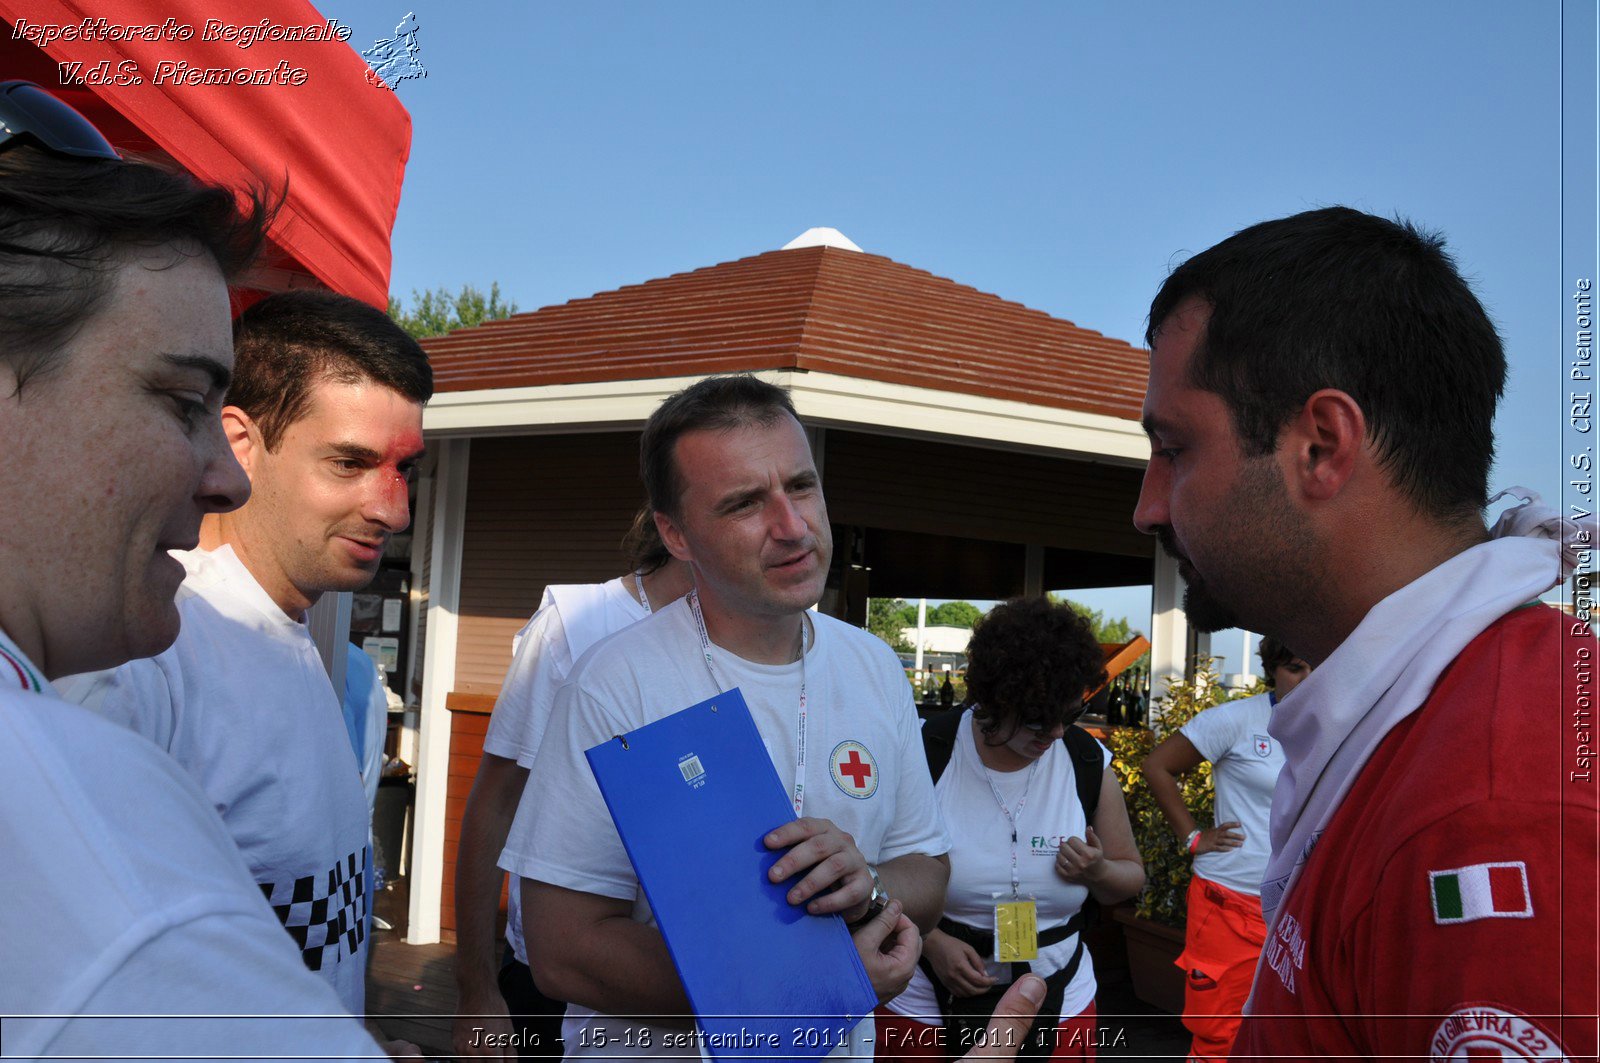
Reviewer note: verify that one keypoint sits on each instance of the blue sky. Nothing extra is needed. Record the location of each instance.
(1065, 154)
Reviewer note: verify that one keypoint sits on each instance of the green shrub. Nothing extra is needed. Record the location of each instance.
(1166, 865)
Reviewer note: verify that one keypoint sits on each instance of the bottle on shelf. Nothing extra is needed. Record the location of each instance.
(1133, 709)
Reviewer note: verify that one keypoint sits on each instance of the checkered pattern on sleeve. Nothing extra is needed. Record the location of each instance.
(326, 914)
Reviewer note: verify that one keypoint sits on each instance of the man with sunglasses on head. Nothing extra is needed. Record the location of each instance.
(131, 927)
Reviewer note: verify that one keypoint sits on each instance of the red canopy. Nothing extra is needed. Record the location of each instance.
(339, 138)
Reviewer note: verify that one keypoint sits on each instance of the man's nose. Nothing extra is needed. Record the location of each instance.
(787, 521)
(389, 503)
(1150, 512)
(224, 486)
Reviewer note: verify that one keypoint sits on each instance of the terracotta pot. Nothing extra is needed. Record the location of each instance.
(1153, 949)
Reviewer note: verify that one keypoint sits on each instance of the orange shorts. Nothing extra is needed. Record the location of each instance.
(1224, 937)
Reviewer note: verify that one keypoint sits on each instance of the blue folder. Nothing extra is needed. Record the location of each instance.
(692, 795)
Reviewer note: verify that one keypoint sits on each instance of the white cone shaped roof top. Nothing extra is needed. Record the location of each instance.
(822, 236)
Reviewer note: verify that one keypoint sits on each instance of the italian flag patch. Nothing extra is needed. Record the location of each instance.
(1481, 891)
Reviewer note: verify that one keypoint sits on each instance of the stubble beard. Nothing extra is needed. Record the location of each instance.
(1206, 613)
(1268, 559)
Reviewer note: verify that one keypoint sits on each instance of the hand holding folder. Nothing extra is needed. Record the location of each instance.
(692, 795)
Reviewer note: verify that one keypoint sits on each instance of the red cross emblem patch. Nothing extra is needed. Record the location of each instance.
(1263, 745)
(854, 770)
(1485, 1031)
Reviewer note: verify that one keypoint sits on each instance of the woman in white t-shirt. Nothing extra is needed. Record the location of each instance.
(1008, 773)
(1225, 930)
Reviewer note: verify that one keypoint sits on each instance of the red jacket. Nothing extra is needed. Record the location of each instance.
(1449, 910)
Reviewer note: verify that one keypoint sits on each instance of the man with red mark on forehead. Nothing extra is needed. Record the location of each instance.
(325, 417)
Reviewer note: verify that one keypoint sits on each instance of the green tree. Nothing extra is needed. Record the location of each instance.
(1113, 631)
(954, 614)
(437, 311)
(886, 618)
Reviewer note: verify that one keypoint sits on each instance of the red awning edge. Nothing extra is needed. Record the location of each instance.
(338, 137)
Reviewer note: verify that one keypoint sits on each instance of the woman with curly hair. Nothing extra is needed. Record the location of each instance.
(1039, 830)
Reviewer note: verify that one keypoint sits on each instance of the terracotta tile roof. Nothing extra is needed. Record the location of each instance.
(813, 308)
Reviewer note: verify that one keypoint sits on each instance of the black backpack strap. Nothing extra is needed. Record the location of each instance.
(1088, 768)
(1088, 763)
(939, 739)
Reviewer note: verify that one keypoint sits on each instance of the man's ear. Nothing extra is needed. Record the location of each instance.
(1328, 440)
(672, 537)
(244, 437)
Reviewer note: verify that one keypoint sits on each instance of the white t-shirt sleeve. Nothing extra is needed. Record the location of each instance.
(1214, 731)
(538, 668)
(563, 832)
(919, 826)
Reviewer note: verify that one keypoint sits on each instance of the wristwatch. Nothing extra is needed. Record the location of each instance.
(877, 900)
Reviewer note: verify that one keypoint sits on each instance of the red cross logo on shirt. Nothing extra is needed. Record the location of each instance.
(1263, 745)
(858, 769)
(854, 770)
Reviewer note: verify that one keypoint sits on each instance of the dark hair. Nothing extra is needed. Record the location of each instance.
(290, 341)
(642, 547)
(1336, 298)
(718, 404)
(1031, 661)
(1274, 655)
(67, 224)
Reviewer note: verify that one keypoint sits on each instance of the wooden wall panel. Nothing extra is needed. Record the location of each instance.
(466, 748)
(540, 510)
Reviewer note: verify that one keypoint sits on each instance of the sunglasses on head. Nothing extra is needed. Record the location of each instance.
(30, 115)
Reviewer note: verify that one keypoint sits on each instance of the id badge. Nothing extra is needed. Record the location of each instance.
(1016, 931)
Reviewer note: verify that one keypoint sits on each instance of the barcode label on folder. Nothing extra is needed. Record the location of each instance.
(692, 770)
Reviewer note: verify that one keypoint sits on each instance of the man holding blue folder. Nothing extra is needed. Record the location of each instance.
(737, 496)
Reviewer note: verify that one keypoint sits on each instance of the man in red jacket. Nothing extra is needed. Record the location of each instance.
(1321, 398)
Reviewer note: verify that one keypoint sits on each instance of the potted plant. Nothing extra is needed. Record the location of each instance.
(1154, 926)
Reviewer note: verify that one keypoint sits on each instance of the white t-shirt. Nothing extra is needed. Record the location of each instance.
(980, 860)
(1245, 761)
(243, 702)
(123, 895)
(865, 771)
(571, 618)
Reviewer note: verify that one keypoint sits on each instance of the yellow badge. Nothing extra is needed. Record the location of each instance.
(1016, 931)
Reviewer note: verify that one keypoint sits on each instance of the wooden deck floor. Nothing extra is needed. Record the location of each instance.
(411, 991)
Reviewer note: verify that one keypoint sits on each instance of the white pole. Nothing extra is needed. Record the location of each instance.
(1169, 636)
(922, 622)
